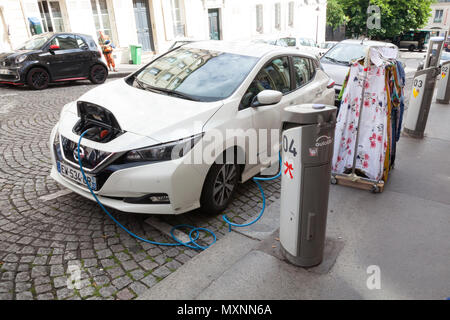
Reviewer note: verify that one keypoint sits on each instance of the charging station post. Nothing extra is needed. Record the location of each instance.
(307, 150)
(422, 92)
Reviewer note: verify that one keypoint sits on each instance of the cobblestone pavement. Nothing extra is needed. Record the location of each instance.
(39, 239)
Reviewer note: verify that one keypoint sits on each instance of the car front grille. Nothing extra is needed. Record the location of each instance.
(90, 158)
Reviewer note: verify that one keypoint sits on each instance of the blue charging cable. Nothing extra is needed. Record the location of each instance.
(256, 179)
(194, 231)
(193, 234)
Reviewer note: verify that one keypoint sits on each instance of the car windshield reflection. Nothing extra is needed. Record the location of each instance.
(203, 75)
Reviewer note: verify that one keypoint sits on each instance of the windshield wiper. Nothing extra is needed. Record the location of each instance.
(169, 92)
(337, 61)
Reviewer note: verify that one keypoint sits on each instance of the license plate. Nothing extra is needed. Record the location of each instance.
(75, 175)
(4, 71)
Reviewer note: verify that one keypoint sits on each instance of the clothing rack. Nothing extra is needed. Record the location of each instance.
(352, 179)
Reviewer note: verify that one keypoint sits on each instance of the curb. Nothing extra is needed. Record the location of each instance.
(119, 74)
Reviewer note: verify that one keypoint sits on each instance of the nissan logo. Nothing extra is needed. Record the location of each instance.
(75, 153)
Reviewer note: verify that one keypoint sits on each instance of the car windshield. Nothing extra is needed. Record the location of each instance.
(286, 42)
(343, 53)
(445, 56)
(196, 74)
(34, 43)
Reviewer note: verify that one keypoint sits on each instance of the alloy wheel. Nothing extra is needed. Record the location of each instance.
(39, 79)
(224, 184)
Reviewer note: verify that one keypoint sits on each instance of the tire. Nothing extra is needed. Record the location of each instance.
(216, 194)
(411, 47)
(38, 78)
(98, 74)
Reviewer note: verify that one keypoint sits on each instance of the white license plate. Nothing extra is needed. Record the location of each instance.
(4, 71)
(75, 175)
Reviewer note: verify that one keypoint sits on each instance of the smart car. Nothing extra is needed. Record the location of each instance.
(53, 57)
(140, 131)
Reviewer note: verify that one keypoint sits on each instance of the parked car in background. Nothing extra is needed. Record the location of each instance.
(53, 57)
(336, 62)
(325, 46)
(305, 44)
(186, 94)
(412, 40)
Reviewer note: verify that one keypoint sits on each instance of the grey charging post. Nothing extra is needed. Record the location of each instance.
(307, 150)
(422, 92)
(443, 90)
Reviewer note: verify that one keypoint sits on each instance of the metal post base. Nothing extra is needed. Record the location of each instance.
(440, 101)
(413, 133)
(301, 261)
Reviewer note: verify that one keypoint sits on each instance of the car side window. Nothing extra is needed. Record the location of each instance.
(273, 76)
(302, 70)
(81, 44)
(65, 42)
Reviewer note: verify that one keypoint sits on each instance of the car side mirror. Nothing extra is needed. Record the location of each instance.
(53, 48)
(267, 97)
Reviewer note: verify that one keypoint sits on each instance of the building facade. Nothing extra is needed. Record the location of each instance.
(439, 21)
(156, 24)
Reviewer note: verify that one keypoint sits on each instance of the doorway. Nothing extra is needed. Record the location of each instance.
(143, 25)
(214, 24)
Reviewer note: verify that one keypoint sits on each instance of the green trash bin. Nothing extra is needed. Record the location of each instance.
(136, 52)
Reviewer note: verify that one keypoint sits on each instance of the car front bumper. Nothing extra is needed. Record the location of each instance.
(10, 75)
(182, 183)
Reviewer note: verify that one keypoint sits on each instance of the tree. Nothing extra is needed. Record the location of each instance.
(395, 16)
(335, 14)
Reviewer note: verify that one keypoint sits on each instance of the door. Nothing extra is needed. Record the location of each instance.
(275, 75)
(143, 25)
(68, 60)
(214, 24)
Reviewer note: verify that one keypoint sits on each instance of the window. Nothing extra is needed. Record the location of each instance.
(179, 29)
(101, 18)
(438, 16)
(274, 76)
(65, 42)
(291, 14)
(259, 18)
(286, 42)
(51, 16)
(277, 16)
(81, 43)
(303, 70)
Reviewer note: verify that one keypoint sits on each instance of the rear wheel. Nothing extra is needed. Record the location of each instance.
(38, 78)
(98, 74)
(219, 187)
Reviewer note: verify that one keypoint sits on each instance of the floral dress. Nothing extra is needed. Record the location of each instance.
(373, 137)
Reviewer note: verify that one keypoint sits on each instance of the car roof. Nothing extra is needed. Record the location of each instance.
(246, 48)
(57, 33)
(370, 43)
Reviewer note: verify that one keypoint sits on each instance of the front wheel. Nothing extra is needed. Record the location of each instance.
(38, 78)
(219, 188)
(98, 74)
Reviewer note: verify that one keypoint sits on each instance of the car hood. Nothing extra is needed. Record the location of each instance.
(336, 72)
(157, 116)
(15, 53)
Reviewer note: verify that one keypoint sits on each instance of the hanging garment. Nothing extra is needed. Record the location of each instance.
(373, 136)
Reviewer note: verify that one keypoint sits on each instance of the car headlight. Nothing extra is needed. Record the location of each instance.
(20, 59)
(163, 152)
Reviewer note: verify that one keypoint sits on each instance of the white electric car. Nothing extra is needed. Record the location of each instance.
(142, 129)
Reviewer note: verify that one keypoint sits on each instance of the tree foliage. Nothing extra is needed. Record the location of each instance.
(396, 16)
(335, 14)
